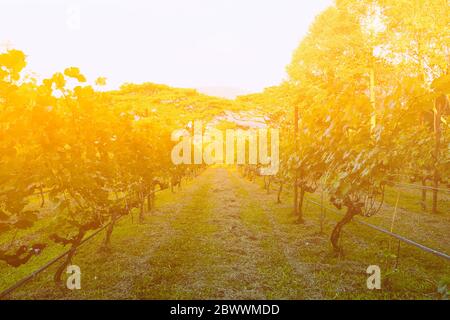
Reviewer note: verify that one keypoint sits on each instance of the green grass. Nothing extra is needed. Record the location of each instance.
(280, 279)
(223, 237)
(418, 274)
(410, 199)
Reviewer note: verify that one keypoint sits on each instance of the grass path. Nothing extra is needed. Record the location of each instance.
(206, 242)
(223, 237)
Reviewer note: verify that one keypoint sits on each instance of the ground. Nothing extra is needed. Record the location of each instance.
(224, 237)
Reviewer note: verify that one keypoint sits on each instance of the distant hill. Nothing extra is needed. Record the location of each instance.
(223, 92)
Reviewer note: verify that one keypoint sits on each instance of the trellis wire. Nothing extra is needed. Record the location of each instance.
(391, 234)
(31, 276)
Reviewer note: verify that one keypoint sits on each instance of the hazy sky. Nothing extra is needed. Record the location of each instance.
(189, 43)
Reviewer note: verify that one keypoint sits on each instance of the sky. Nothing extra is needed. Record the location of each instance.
(244, 44)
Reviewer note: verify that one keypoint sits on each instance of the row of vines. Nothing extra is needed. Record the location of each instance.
(366, 102)
(75, 158)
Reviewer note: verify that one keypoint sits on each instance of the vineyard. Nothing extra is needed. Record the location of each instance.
(87, 176)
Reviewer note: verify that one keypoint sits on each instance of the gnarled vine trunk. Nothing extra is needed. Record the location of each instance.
(109, 231)
(338, 229)
(280, 190)
(73, 249)
(141, 211)
(150, 200)
(424, 194)
(300, 205)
